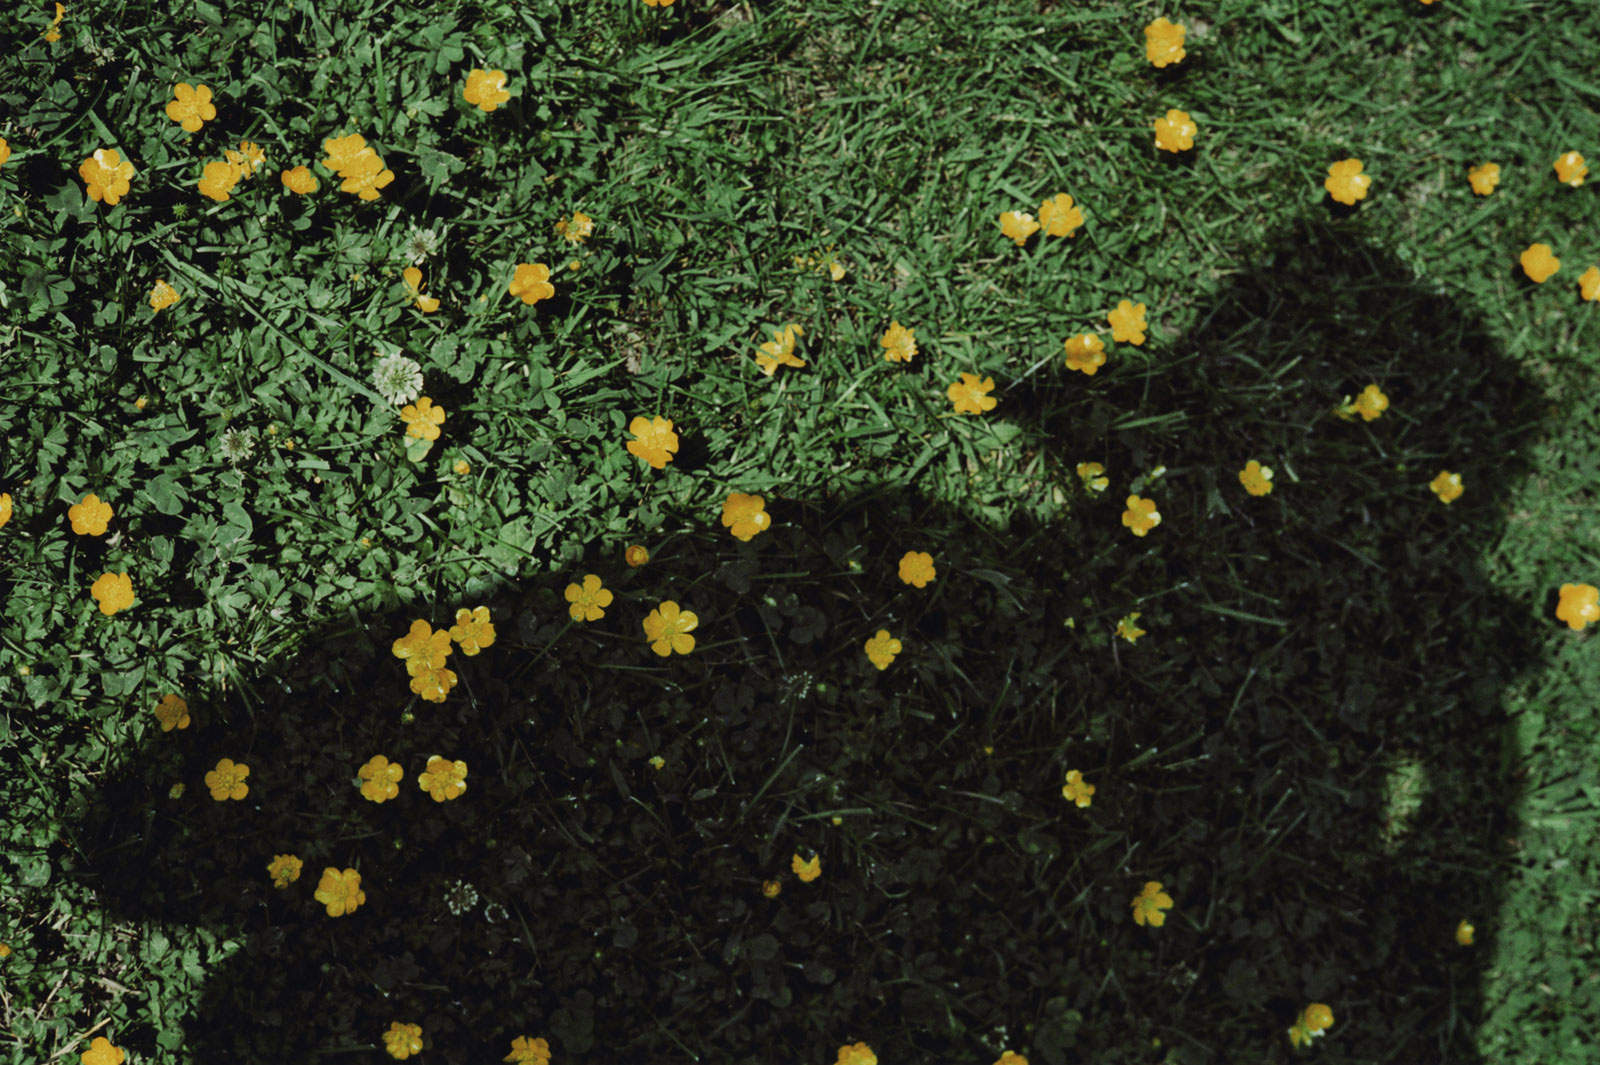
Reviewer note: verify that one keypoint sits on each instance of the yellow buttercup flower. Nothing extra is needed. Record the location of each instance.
(589, 599)
(1018, 225)
(807, 871)
(162, 296)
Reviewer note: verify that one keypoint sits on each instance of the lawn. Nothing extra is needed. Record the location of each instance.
(898, 530)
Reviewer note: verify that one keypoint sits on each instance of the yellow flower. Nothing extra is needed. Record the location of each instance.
(227, 780)
(380, 778)
(300, 180)
(1077, 789)
(421, 648)
(1579, 605)
(1010, 1058)
(745, 515)
(340, 891)
(1091, 475)
(1018, 225)
(1175, 133)
(284, 870)
(779, 351)
(636, 555)
(1127, 323)
(113, 591)
(1141, 515)
(1464, 933)
(531, 283)
(461, 467)
(858, 1054)
(1128, 628)
(899, 343)
(101, 1051)
(658, 762)
(1447, 486)
(191, 106)
(1317, 1017)
(1538, 263)
(1163, 42)
(1256, 478)
(218, 179)
(105, 175)
(53, 34)
(5, 151)
(658, 3)
(1369, 404)
(971, 396)
(1346, 183)
(654, 441)
(485, 89)
(1589, 284)
(882, 648)
(576, 231)
(1149, 904)
(249, 158)
(443, 779)
(472, 631)
(413, 280)
(1059, 217)
(588, 600)
(89, 518)
(433, 684)
(525, 1051)
(916, 568)
(770, 888)
(807, 871)
(1484, 177)
(667, 628)
(422, 419)
(172, 712)
(1086, 353)
(365, 175)
(403, 1040)
(1570, 169)
(162, 296)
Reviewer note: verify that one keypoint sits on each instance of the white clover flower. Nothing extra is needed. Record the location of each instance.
(397, 379)
(236, 445)
(420, 245)
(461, 898)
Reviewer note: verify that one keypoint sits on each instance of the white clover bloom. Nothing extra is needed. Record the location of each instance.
(397, 379)
(461, 898)
(420, 245)
(236, 445)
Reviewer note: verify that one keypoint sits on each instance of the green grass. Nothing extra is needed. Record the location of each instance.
(1354, 719)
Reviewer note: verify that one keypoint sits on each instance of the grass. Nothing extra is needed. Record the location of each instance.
(1353, 721)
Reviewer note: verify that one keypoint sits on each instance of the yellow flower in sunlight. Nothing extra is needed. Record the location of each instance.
(1127, 323)
(668, 629)
(1059, 217)
(1484, 177)
(779, 351)
(413, 280)
(106, 175)
(882, 648)
(1163, 42)
(1018, 225)
(745, 515)
(1464, 932)
(52, 34)
(1570, 169)
(1141, 515)
(531, 283)
(1538, 263)
(1589, 284)
(1086, 353)
(1175, 133)
(162, 296)
(191, 106)
(1579, 605)
(589, 599)
(807, 871)
(1129, 629)
(1369, 404)
(1346, 183)
(899, 343)
(971, 395)
(578, 229)
(485, 89)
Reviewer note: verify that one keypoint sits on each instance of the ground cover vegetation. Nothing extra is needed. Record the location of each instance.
(798, 532)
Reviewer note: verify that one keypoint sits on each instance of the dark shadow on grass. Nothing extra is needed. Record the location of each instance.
(1305, 750)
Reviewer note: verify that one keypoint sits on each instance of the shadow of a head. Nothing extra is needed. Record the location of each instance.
(1297, 750)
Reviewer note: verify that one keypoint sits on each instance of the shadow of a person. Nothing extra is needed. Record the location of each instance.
(1305, 750)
